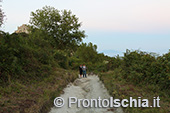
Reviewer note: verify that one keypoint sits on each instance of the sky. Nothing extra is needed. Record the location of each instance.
(113, 25)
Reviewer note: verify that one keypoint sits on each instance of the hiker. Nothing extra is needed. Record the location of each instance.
(84, 70)
(80, 69)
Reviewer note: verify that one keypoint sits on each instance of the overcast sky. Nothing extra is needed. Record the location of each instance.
(113, 25)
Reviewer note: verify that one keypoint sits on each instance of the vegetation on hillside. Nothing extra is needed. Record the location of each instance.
(140, 74)
(143, 68)
(54, 43)
(29, 62)
(36, 96)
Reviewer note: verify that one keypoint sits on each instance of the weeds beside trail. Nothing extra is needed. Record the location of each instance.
(121, 89)
(34, 97)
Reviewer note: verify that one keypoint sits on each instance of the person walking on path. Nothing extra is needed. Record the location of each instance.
(84, 70)
(81, 70)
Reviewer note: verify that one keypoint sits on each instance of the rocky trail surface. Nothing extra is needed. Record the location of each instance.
(85, 88)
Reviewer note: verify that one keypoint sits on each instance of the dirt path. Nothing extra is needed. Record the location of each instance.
(85, 88)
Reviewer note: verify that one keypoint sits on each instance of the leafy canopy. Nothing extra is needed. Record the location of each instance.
(63, 26)
(87, 52)
(1, 15)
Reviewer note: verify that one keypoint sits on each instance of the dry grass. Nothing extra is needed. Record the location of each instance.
(121, 89)
(37, 97)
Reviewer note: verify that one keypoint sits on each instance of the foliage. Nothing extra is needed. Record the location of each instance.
(63, 26)
(144, 68)
(2, 15)
(39, 95)
(122, 89)
(87, 54)
(54, 40)
(139, 74)
(20, 60)
(61, 58)
(31, 57)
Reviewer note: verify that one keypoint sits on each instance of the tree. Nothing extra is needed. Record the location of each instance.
(63, 26)
(1, 15)
(87, 52)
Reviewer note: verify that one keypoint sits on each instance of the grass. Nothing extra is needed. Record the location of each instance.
(121, 89)
(37, 96)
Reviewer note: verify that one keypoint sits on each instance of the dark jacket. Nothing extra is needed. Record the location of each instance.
(80, 69)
